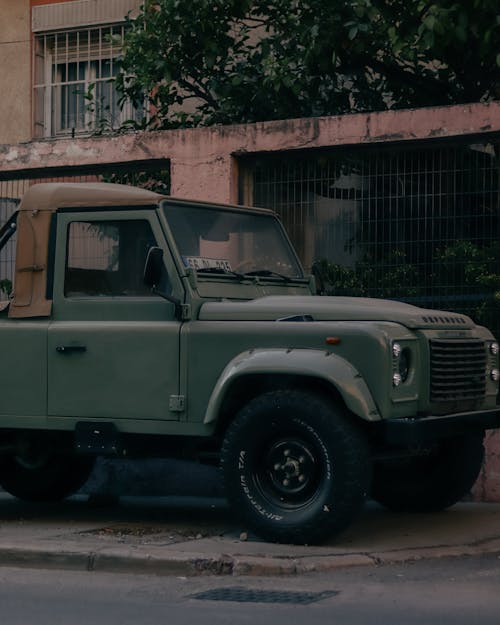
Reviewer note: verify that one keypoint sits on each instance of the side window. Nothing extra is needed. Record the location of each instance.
(107, 258)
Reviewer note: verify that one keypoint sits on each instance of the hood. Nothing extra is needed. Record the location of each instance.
(321, 308)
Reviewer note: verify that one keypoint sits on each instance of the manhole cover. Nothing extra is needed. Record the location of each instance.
(252, 595)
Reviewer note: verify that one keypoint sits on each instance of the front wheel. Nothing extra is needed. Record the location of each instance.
(295, 468)
(430, 482)
(44, 476)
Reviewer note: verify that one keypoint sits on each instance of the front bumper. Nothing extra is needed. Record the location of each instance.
(416, 431)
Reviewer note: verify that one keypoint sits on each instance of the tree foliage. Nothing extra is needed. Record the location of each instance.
(224, 61)
(471, 267)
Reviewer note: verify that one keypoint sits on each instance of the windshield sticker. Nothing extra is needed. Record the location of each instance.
(200, 263)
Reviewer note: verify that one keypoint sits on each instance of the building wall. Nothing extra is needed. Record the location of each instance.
(15, 74)
(16, 52)
(205, 161)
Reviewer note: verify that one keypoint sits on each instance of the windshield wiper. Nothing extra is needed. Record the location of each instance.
(222, 271)
(257, 273)
(267, 273)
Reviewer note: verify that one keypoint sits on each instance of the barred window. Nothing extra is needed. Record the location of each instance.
(74, 90)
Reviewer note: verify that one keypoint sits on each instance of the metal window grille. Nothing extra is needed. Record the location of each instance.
(420, 224)
(93, 246)
(74, 90)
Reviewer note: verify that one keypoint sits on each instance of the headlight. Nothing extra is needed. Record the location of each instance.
(401, 364)
(494, 349)
(396, 350)
(404, 364)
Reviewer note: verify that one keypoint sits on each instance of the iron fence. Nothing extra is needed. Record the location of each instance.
(419, 224)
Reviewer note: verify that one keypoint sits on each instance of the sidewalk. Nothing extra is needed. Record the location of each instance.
(193, 535)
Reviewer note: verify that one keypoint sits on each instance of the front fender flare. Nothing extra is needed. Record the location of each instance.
(326, 366)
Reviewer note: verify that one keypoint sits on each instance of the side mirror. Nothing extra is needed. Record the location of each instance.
(153, 267)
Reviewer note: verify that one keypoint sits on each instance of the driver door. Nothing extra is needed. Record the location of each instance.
(113, 347)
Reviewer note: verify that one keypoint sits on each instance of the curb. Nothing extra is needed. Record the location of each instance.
(112, 560)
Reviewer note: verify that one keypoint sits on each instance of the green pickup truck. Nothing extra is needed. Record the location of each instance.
(146, 326)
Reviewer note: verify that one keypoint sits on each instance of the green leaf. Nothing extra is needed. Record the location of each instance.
(430, 22)
(461, 33)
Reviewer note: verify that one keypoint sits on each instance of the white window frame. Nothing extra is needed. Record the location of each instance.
(87, 46)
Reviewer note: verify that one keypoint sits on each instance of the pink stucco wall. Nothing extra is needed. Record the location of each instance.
(204, 160)
(204, 165)
(487, 487)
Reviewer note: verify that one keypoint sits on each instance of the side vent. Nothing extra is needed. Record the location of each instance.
(448, 320)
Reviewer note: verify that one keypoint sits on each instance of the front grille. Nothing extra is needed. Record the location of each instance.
(458, 370)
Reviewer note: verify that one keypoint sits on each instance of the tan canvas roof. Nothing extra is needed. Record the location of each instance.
(49, 196)
(33, 228)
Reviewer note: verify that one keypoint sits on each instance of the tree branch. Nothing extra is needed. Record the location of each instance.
(198, 92)
(398, 73)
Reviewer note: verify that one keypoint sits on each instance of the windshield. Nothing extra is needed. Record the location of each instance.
(216, 240)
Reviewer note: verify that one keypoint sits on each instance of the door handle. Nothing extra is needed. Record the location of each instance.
(69, 349)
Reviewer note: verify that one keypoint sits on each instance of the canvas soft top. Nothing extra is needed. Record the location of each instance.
(33, 230)
(49, 196)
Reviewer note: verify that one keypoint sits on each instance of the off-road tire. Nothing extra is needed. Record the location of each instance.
(431, 482)
(50, 478)
(295, 467)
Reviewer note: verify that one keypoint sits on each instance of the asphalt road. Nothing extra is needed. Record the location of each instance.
(458, 591)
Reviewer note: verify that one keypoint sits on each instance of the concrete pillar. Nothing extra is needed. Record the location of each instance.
(196, 178)
(487, 487)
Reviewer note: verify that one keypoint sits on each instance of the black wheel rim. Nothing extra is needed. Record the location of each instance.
(289, 475)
